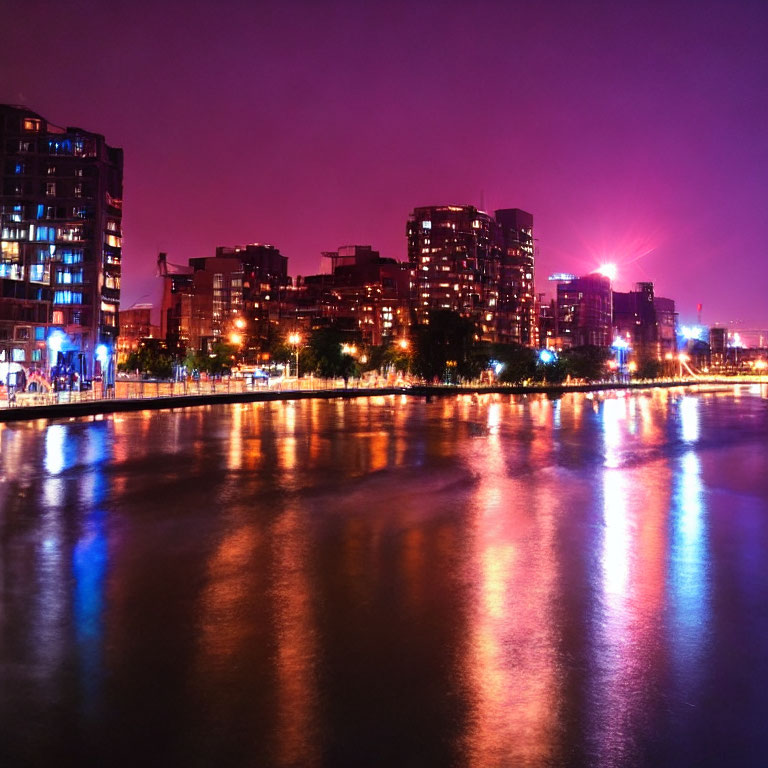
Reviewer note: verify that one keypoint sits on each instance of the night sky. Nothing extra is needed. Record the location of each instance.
(634, 132)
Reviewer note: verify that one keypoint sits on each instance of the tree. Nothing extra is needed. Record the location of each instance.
(648, 368)
(519, 363)
(445, 348)
(149, 360)
(324, 355)
(587, 362)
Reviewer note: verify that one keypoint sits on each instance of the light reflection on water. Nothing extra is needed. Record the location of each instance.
(482, 580)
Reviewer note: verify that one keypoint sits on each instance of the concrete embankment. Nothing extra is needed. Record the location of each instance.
(95, 407)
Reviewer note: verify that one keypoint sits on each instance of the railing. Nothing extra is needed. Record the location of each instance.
(131, 389)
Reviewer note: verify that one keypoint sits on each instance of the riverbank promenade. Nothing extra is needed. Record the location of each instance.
(160, 395)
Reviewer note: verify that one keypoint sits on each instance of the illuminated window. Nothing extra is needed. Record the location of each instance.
(67, 297)
(18, 355)
(31, 124)
(58, 317)
(50, 188)
(20, 168)
(68, 276)
(426, 225)
(51, 170)
(78, 190)
(72, 256)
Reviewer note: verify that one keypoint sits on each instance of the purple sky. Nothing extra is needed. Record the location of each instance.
(634, 132)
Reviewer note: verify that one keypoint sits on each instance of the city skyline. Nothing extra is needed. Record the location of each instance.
(309, 127)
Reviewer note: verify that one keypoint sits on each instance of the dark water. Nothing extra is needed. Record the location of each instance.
(481, 582)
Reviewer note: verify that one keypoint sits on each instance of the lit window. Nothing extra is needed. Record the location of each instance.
(72, 256)
(58, 317)
(50, 188)
(18, 355)
(31, 124)
(67, 297)
(426, 225)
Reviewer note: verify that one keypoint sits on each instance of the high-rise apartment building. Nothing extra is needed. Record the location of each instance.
(60, 239)
(478, 265)
(517, 315)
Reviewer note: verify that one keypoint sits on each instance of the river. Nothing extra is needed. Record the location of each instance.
(475, 581)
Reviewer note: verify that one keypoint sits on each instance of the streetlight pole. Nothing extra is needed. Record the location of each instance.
(295, 339)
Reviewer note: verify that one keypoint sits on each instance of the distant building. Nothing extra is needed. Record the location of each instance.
(646, 321)
(718, 346)
(135, 325)
(584, 312)
(60, 238)
(363, 293)
(475, 264)
(227, 297)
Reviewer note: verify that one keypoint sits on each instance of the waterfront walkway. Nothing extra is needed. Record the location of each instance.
(141, 396)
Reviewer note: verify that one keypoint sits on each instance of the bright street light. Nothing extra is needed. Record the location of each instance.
(294, 339)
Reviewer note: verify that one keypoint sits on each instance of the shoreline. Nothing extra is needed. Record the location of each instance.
(172, 402)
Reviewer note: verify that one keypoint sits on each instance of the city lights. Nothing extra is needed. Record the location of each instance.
(692, 332)
(619, 343)
(547, 356)
(607, 270)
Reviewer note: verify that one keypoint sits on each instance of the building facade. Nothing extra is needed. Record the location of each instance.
(584, 316)
(60, 240)
(135, 325)
(478, 265)
(230, 297)
(517, 314)
(646, 322)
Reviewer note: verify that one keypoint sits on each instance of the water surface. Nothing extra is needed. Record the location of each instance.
(476, 581)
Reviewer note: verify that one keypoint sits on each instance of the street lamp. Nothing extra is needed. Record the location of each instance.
(294, 339)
